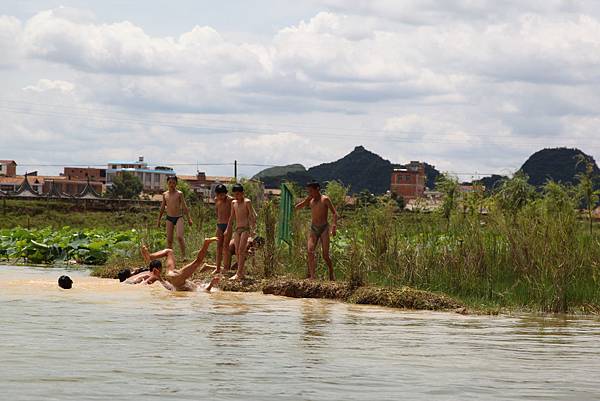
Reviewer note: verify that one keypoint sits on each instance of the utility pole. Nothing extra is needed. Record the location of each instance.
(235, 170)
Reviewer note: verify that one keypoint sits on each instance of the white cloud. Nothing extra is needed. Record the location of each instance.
(44, 85)
(475, 77)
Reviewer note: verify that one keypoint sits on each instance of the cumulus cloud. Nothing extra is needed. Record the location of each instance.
(470, 76)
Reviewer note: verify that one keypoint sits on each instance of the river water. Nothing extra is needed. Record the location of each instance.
(103, 340)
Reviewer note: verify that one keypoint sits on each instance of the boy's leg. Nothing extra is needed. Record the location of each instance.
(170, 227)
(241, 254)
(213, 282)
(220, 249)
(311, 261)
(227, 252)
(188, 270)
(236, 241)
(179, 231)
(325, 240)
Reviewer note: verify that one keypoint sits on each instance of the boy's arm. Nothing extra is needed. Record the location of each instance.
(252, 218)
(230, 221)
(302, 204)
(162, 210)
(185, 208)
(335, 216)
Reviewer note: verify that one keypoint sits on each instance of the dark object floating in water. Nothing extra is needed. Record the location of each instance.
(124, 275)
(65, 282)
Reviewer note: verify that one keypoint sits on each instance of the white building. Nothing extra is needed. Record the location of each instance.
(153, 179)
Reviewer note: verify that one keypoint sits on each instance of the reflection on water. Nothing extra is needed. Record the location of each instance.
(104, 340)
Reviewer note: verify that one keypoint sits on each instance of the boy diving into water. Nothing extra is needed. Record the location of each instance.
(320, 205)
(174, 202)
(178, 279)
(223, 209)
(245, 225)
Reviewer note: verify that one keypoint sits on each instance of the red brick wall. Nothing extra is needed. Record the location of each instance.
(79, 173)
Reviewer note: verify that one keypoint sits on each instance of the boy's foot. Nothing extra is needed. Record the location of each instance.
(236, 277)
(145, 253)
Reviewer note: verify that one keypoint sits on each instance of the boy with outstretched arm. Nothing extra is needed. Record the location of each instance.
(245, 225)
(223, 208)
(320, 205)
(174, 203)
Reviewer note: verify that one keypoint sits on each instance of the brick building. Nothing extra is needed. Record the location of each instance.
(409, 182)
(83, 173)
(8, 168)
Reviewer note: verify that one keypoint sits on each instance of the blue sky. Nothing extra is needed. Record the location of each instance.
(471, 86)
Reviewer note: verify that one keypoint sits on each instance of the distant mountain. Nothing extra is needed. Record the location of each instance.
(492, 183)
(360, 169)
(558, 164)
(280, 171)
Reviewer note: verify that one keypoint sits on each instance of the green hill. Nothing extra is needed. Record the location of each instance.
(558, 164)
(278, 171)
(360, 169)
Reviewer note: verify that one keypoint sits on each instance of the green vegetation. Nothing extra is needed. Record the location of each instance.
(91, 247)
(517, 248)
(558, 164)
(125, 186)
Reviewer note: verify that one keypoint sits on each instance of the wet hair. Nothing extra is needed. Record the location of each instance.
(155, 264)
(221, 189)
(65, 282)
(237, 188)
(124, 275)
(313, 184)
(172, 177)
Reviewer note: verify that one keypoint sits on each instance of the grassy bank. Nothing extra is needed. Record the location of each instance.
(531, 250)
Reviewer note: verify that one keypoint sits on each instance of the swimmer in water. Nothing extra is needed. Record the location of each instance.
(179, 279)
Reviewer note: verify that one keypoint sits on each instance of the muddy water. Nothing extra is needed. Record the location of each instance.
(103, 340)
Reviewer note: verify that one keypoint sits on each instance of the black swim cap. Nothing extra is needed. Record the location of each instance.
(259, 241)
(313, 184)
(172, 177)
(124, 275)
(220, 189)
(65, 282)
(237, 188)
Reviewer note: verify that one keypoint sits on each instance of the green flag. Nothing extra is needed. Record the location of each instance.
(286, 206)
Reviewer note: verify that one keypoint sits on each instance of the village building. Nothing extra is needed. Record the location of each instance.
(204, 186)
(153, 179)
(8, 168)
(85, 173)
(409, 182)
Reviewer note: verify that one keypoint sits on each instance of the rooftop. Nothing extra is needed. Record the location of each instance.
(7, 162)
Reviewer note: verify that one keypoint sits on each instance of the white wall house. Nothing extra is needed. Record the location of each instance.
(153, 179)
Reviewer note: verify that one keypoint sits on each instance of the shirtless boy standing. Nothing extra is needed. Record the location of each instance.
(179, 279)
(174, 202)
(245, 225)
(320, 205)
(223, 209)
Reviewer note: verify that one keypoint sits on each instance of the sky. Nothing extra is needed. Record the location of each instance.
(471, 86)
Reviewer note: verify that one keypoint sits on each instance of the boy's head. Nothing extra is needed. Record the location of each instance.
(172, 181)
(314, 188)
(155, 267)
(65, 282)
(221, 191)
(238, 191)
(124, 275)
